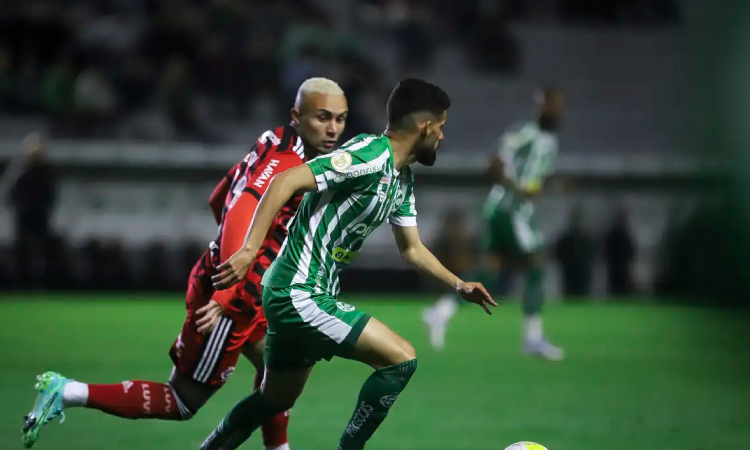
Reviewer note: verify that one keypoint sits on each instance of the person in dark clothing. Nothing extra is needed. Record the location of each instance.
(619, 255)
(33, 187)
(574, 252)
(33, 194)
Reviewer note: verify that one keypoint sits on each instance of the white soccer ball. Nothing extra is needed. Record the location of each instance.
(526, 446)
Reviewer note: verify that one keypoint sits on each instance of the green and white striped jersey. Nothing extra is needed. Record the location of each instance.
(358, 189)
(528, 154)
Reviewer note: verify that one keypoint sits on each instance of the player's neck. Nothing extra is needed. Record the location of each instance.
(403, 148)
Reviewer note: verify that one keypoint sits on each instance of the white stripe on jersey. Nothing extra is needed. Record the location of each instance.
(299, 148)
(345, 232)
(306, 256)
(334, 222)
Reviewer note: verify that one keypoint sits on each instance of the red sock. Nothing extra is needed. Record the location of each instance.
(274, 431)
(136, 400)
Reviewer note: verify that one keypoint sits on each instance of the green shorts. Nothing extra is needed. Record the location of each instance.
(512, 233)
(305, 327)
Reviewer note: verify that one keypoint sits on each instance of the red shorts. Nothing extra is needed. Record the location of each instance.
(211, 358)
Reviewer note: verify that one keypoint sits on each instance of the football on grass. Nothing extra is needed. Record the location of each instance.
(526, 446)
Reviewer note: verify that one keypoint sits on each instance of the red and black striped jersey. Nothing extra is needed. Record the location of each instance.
(235, 199)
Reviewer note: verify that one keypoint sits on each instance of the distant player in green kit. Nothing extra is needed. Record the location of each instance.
(349, 194)
(525, 158)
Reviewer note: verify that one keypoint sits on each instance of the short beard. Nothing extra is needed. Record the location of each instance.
(427, 157)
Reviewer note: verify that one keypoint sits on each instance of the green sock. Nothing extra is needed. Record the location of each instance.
(533, 293)
(244, 418)
(375, 399)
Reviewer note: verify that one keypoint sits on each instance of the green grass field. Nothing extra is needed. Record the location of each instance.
(636, 377)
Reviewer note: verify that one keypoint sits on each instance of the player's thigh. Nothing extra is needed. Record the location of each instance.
(305, 327)
(190, 393)
(514, 234)
(254, 348)
(533, 260)
(283, 386)
(379, 346)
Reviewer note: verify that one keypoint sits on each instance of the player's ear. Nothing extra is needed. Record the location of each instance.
(295, 117)
(424, 127)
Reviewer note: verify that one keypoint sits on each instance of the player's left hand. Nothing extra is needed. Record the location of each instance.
(476, 293)
(233, 270)
(211, 314)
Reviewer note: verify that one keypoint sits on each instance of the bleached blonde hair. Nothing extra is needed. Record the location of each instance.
(317, 86)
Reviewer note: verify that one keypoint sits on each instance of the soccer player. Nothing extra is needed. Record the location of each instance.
(349, 194)
(526, 157)
(203, 360)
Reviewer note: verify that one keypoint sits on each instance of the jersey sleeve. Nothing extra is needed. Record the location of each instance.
(219, 195)
(241, 209)
(406, 214)
(348, 169)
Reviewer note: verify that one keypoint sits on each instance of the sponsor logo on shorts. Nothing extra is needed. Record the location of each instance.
(179, 346)
(226, 374)
(388, 400)
(400, 194)
(341, 161)
(146, 398)
(359, 419)
(344, 306)
(126, 385)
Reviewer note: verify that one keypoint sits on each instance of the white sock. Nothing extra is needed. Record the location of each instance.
(533, 328)
(75, 394)
(280, 447)
(446, 307)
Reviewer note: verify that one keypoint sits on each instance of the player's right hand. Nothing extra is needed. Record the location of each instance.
(233, 270)
(476, 293)
(211, 314)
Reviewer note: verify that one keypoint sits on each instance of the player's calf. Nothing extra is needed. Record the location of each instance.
(131, 399)
(395, 362)
(279, 390)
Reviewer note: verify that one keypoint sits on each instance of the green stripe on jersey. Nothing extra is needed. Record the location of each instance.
(358, 188)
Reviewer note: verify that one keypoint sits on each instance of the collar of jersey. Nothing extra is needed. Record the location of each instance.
(390, 151)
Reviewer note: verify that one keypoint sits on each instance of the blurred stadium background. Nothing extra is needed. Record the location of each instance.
(138, 108)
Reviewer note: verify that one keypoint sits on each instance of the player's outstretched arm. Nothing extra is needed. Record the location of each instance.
(280, 190)
(414, 252)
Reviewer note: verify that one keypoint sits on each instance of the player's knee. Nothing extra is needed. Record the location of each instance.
(404, 352)
(278, 400)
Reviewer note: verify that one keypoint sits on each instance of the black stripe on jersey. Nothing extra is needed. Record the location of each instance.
(254, 292)
(271, 254)
(289, 135)
(279, 235)
(252, 191)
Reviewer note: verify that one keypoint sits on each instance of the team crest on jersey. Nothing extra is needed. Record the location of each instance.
(341, 161)
(344, 306)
